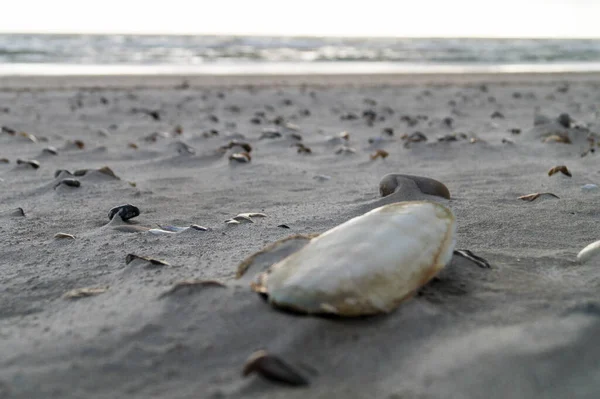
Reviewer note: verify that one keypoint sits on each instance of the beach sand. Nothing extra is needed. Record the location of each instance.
(529, 327)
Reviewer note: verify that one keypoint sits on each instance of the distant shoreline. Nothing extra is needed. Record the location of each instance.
(58, 76)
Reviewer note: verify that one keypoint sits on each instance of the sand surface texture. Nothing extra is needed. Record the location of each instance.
(529, 327)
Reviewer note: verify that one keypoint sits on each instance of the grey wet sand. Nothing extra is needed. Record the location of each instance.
(527, 328)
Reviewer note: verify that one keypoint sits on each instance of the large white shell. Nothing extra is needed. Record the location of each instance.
(366, 265)
(589, 252)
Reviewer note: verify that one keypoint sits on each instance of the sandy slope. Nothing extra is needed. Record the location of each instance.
(527, 328)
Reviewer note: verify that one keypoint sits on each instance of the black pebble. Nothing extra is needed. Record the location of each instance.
(126, 212)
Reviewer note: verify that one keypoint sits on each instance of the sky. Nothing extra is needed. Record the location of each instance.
(400, 18)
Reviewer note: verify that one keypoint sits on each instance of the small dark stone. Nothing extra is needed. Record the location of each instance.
(284, 226)
(126, 212)
(69, 183)
(448, 121)
(515, 131)
(565, 120)
(213, 118)
(497, 114)
(388, 131)
(8, 130)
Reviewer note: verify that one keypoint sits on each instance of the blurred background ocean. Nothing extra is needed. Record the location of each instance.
(56, 53)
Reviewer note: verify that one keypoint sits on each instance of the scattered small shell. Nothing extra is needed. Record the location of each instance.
(18, 212)
(322, 178)
(558, 138)
(31, 162)
(242, 218)
(414, 137)
(284, 226)
(64, 235)
(84, 292)
(28, 137)
(108, 171)
(235, 143)
(344, 135)
(126, 212)
(4, 160)
(183, 149)
(534, 196)
(132, 145)
(242, 157)
(407, 245)
(302, 149)
(561, 168)
(50, 150)
(251, 215)
(379, 154)
(589, 252)
(148, 262)
(192, 284)
(507, 141)
(345, 150)
(273, 368)
(69, 183)
(232, 222)
(270, 134)
(392, 182)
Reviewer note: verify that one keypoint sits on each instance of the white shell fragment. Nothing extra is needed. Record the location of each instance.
(366, 265)
(589, 252)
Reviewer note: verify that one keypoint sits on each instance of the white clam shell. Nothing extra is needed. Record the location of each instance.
(589, 252)
(366, 265)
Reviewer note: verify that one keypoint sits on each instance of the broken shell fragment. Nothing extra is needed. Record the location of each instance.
(589, 252)
(60, 236)
(28, 137)
(177, 229)
(126, 212)
(251, 215)
(242, 157)
(379, 154)
(50, 151)
(478, 260)
(558, 138)
(29, 162)
(84, 292)
(345, 150)
(392, 182)
(347, 273)
(534, 196)
(160, 232)
(561, 168)
(273, 368)
(144, 260)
